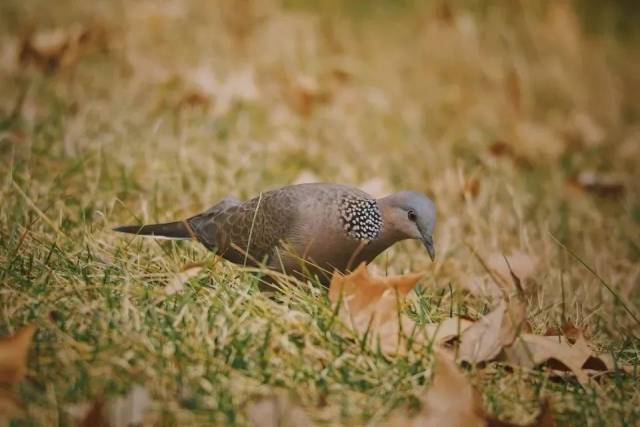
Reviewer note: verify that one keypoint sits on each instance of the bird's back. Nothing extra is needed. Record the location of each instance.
(283, 225)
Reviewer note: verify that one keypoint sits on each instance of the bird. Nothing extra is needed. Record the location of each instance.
(313, 228)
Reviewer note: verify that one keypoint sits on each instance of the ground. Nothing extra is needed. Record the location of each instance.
(520, 120)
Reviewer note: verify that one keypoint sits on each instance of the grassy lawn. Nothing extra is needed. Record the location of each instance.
(520, 119)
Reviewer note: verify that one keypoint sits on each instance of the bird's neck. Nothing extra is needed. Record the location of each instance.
(387, 237)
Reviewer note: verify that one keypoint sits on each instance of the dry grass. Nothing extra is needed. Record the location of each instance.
(499, 111)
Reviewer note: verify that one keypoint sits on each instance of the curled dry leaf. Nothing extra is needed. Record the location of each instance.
(277, 411)
(13, 355)
(556, 352)
(485, 339)
(176, 284)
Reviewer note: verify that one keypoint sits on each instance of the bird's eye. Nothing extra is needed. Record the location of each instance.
(411, 214)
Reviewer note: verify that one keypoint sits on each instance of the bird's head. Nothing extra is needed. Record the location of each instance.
(411, 215)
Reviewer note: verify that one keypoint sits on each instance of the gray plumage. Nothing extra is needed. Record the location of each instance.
(308, 227)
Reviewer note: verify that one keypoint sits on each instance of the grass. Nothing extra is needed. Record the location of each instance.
(494, 109)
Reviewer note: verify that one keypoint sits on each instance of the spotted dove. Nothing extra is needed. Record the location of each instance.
(316, 228)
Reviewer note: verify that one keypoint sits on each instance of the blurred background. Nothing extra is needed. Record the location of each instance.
(157, 109)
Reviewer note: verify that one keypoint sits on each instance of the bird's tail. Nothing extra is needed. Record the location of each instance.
(178, 230)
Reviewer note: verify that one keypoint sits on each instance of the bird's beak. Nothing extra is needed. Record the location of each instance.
(427, 241)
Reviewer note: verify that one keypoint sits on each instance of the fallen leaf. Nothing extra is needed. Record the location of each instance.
(10, 407)
(240, 86)
(484, 340)
(277, 411)
(569, 330)
(304, 94)
(471, 189)
(123, 411)
(603, 185)
(176, 284)
(447, 330)
(60, 48)
(451, 401)
(556, 352)
(195, 98)
(522, 265)
(13, 355)
(371, 304)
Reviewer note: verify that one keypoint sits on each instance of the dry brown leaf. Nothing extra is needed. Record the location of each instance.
(123, 411)
(13, 355)
(372, 303)
(277, 411)
(304, 94)
(522, 265)
(603, 185)
(484, 340)
(451, 401)
(176, 284)
(556, 352)
(471, 189)
(569, 330)
(447, 330)
(10, 407)
(62, 47)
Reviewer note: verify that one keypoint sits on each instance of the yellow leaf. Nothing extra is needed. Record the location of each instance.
(13, 355)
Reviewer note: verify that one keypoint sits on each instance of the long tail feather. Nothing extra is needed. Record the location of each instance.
(171, 230)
